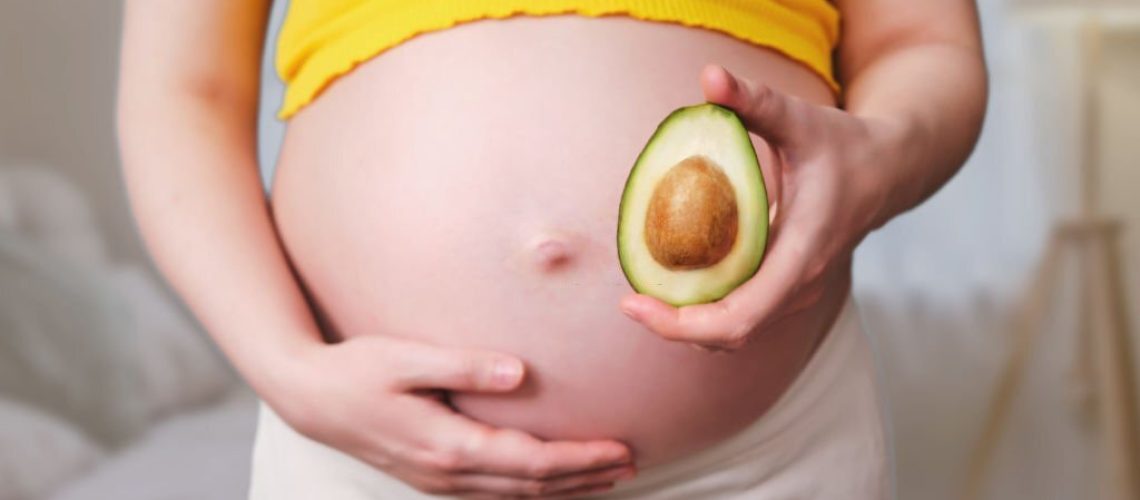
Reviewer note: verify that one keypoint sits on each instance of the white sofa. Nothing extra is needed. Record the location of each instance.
(108, 390)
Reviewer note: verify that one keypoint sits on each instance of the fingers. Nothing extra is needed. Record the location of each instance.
(728, 323)
(424, 366)
(572, 494)
(484, 485)
(579, 492)
(604, 478)
(462, 456)
(459, 444)
(421, 441)
(706, 324)
(766, 112)
(766, 295)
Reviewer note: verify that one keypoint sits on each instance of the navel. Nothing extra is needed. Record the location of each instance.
(552, 253)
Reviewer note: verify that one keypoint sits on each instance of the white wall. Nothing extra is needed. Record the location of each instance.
(58, 64)
(58, 71)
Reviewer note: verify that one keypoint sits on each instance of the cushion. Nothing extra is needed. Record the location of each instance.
(43, 206)
(67, 345)
(178, 366)
(39, 453)
(200, 454)
(99, 343)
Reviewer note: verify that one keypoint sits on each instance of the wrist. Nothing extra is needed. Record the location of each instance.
(897, 143)
(277, 363)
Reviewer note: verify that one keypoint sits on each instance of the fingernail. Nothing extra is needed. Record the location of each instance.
(506, 373)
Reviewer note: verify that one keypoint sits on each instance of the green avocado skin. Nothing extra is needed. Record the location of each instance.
(648, 287)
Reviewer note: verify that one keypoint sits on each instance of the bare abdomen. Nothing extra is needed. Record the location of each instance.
(463, 189)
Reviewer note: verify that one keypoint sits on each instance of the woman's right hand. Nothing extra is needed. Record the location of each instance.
(377, 398)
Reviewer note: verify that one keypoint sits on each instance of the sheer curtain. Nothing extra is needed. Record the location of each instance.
(937, 285)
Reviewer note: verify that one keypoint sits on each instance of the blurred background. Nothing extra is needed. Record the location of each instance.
(108, 389)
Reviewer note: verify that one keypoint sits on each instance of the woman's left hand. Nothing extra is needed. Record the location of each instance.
(831, 192)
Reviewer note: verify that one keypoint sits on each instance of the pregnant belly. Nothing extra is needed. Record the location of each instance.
(462, 189)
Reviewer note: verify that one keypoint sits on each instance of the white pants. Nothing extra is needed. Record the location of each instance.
(823, 439)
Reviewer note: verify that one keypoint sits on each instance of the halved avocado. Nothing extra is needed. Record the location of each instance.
(693, 221)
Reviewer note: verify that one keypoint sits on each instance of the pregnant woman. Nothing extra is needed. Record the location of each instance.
(432, 302)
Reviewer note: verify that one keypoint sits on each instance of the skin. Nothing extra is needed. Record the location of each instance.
(187, 108)
(914, 98)
(432, 231)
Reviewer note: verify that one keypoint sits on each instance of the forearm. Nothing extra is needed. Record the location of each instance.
(930, 99)
(187, 104)
(914, 70)
(189, 163)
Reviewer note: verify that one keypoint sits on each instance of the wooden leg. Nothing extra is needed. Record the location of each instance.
(1083, 375)
(1028, 328)
(1112, 352)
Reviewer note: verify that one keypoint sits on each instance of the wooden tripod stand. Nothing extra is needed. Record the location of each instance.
(1104, 353)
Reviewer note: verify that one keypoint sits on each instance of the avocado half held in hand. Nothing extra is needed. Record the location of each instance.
(693, 222)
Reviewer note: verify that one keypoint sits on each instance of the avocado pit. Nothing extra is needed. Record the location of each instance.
(691, 222)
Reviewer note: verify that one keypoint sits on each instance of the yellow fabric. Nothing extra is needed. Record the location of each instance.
(324, 39)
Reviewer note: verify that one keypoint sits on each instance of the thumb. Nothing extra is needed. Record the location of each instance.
(766, 112)
(423, 366)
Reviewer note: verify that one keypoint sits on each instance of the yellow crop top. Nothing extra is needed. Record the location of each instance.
(323, 39)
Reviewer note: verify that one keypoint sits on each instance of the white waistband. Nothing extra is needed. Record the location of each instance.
(837, 380)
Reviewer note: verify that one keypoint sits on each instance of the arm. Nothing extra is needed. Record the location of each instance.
(915, 98)
(187, 104)
(187, 127)
(918, 64)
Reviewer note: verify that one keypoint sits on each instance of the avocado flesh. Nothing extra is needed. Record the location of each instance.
(693, 220)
